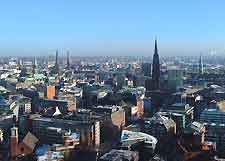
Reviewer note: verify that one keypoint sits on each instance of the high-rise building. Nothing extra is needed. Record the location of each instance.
(140, 107)
(200, 68)
(155, 69)
(175, 78)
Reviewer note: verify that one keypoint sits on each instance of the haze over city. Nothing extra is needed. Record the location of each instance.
(112, 27)
(112, 80)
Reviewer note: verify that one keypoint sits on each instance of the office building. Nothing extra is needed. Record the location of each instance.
(159, 126)
(214, 119)
(175, 78)
(181, 113)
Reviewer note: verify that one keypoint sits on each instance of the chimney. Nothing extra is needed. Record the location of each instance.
(14, 141)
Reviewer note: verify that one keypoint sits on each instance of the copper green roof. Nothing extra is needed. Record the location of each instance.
(29, 79)
(51, 78)
(39, 76)
(36, 77)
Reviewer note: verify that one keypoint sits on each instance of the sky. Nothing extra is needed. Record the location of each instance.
(111, 27)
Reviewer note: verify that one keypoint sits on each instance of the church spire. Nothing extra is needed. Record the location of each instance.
(34, 65)
(156, 68)
(156, 47)
(68, 60)
(56, 62)
(200, 65)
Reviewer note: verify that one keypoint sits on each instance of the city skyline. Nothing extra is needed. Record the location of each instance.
(111, 28)
(119, 80)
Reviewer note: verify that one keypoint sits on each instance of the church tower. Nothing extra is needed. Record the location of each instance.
(155, 68)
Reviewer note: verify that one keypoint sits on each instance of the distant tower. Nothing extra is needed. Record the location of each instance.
(20, 64)
(68, 60)
(34, 65)
(21, 61)
(35, 61)
(200, 67)
(155, 68)
(56, 62)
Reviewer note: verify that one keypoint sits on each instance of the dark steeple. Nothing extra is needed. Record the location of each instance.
(56, 62)
(68, 60)
(155, 68)
(34, 64)
(56, 58)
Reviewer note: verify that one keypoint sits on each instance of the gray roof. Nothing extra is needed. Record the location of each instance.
(120, 155)
(163, 120)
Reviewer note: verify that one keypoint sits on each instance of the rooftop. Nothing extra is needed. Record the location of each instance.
(195, 127)
(117, 154)
(129, 136)
(160, 119)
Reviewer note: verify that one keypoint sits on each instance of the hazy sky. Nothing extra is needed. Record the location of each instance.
(111, 27)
